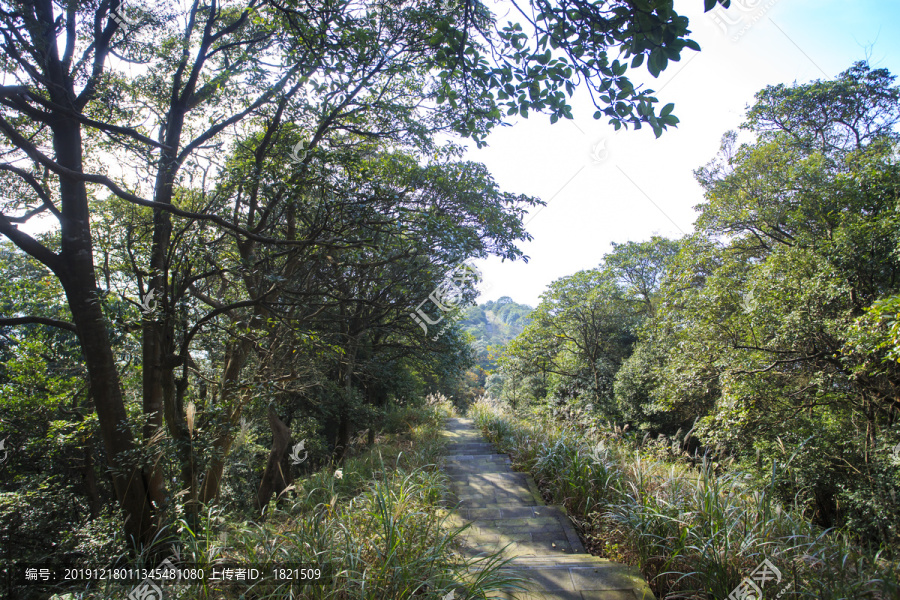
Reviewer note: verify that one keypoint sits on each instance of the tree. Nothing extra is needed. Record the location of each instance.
(796, 239)
(580, 333)
(641, 267)
(211, 73)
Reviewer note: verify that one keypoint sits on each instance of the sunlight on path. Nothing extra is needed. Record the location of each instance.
(506, 510)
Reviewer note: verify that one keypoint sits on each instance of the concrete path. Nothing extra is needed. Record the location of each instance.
(507, 512)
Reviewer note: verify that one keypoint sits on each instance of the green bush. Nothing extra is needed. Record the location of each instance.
(695, 532)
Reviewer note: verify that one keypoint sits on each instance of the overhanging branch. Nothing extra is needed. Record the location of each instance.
(4, 321)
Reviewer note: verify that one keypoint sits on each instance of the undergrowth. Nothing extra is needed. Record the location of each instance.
(373, 526)
(695, 532)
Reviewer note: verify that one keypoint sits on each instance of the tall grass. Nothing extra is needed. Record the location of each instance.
(694, 532)
(376, 531)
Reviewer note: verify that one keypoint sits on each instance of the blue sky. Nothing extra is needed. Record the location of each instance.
(604, 187)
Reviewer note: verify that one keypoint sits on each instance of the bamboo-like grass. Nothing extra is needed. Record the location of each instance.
(695, 532)
(377, 531)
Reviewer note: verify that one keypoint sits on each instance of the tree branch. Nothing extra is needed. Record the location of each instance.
(31, 246)
(5, 321)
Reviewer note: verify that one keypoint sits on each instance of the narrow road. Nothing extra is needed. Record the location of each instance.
(507, 512)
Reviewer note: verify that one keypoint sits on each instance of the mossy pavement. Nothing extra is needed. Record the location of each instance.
(507, 513)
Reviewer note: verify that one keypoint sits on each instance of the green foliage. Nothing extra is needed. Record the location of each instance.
(491, 326)
(769, 334)
(534, 64)
(694, 529)
(770, 341)
(583, 331)
(377, 531)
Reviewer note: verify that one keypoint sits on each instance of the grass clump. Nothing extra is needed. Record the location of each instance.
(694, 531)
(374, 526)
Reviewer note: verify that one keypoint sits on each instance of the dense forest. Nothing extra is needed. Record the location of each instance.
(225, 227)
(769, 336)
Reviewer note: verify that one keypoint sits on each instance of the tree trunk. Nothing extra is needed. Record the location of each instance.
(277, 475)
(77, 275)
(118, 441)
(158, 333)
(235, 357)
(155, 379)
(89, 480)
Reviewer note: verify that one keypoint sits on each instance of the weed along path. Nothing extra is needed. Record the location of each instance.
(507, 513)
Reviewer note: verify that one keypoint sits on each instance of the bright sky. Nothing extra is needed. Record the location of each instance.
(604, 187)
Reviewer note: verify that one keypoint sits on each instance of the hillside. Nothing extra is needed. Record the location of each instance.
(493, 324)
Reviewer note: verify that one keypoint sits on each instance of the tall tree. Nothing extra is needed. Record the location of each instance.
(796, 239)
(208, 73)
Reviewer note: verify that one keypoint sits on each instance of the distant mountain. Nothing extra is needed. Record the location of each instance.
(493, 324)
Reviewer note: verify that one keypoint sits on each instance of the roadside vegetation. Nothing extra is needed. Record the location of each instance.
(375, 528)
(742, 381)
(695, 528)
